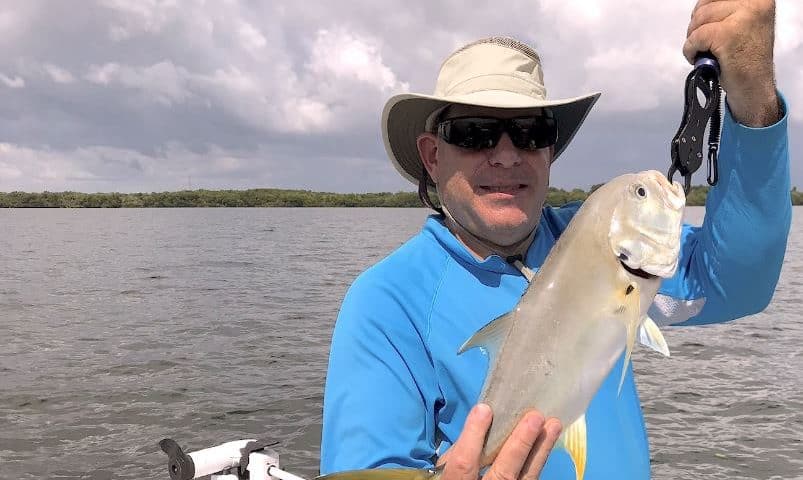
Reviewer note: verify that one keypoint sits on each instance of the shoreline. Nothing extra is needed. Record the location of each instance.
(270, 197)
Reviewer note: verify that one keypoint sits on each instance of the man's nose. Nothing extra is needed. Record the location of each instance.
(505, 154)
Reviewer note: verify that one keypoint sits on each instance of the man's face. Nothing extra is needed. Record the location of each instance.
(496, 193)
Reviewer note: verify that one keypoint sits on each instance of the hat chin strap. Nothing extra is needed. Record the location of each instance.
(515, 260)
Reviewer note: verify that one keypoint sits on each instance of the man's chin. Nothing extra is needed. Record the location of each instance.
(508, 217)
(509, 230)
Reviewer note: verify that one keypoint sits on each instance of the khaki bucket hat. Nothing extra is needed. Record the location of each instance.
(496, 72)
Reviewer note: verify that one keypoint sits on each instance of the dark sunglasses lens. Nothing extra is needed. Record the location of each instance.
(473, 133)
(476, 133)
(533, 133)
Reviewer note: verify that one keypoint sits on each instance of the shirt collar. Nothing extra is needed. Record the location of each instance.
(494, 263)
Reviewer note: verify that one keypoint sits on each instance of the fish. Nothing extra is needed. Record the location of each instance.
(583, 308)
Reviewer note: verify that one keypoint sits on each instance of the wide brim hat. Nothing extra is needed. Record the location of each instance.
(497, 72)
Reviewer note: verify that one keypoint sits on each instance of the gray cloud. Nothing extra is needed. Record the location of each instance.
(142, 95)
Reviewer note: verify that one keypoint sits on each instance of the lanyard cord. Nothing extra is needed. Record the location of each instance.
(515, 260)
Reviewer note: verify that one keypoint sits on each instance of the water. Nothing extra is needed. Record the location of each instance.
(123, 327)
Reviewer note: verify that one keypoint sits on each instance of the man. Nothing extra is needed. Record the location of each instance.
(397, 394)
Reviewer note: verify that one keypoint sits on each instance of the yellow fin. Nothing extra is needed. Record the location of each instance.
(574, 441)
(650, 336)
(632, 321)
(383, 474)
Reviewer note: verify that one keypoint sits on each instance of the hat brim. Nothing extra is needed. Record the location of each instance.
(404, 119)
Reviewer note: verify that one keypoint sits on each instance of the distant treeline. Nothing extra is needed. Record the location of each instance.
(269, 197)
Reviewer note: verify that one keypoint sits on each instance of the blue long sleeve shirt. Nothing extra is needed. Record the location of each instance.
(397, 393)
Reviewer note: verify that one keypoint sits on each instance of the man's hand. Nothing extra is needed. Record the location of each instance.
(741, 35)
(522, 456)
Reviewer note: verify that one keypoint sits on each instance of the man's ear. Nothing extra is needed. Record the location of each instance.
(427, 144)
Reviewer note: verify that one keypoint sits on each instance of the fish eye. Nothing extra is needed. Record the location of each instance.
(641, 191)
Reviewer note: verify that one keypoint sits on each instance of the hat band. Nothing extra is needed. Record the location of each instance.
(495, 81)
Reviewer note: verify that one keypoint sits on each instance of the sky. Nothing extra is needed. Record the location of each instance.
(161, 95)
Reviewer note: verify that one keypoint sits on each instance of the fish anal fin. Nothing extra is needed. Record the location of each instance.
(650, 336)
(491, 336)
(574, 440)
(384, 474)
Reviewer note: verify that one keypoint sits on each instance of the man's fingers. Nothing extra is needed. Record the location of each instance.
(517, 448)
(541, 450)
(701, 3)
(710, 13)
(701, 40)
(464, 456)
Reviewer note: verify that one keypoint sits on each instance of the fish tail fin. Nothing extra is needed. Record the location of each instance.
(384, 474)
(574, 441)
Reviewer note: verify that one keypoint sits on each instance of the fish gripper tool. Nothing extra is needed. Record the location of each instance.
(687, 144)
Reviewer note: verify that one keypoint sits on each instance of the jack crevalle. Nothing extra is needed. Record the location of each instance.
(584, 307)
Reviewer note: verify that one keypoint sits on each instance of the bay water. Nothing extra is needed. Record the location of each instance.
(123, 327)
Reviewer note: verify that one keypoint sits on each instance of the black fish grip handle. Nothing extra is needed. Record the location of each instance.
(687, 144)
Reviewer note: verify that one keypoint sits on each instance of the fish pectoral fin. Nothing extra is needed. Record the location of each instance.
(574, 441)
(650, 336)
(491, 336)
(383, 474)
(628, 353)
(632, 304)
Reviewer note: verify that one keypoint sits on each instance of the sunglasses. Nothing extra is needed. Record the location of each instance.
(477, 133)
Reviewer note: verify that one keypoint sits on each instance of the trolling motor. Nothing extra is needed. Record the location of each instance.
(687, 144)
(237, 460)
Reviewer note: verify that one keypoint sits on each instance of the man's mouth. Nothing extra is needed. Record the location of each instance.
(511, 188)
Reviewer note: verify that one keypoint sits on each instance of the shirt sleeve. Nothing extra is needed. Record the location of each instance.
(729, 266)
(378, 408)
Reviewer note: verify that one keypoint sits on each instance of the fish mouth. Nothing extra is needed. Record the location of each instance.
(638, 272)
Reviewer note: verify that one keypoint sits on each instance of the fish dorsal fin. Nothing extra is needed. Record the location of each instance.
(632, 303)
(650, 336)
(490, 337)
(574, 441)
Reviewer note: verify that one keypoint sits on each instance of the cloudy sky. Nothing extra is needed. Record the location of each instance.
(153, 95)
